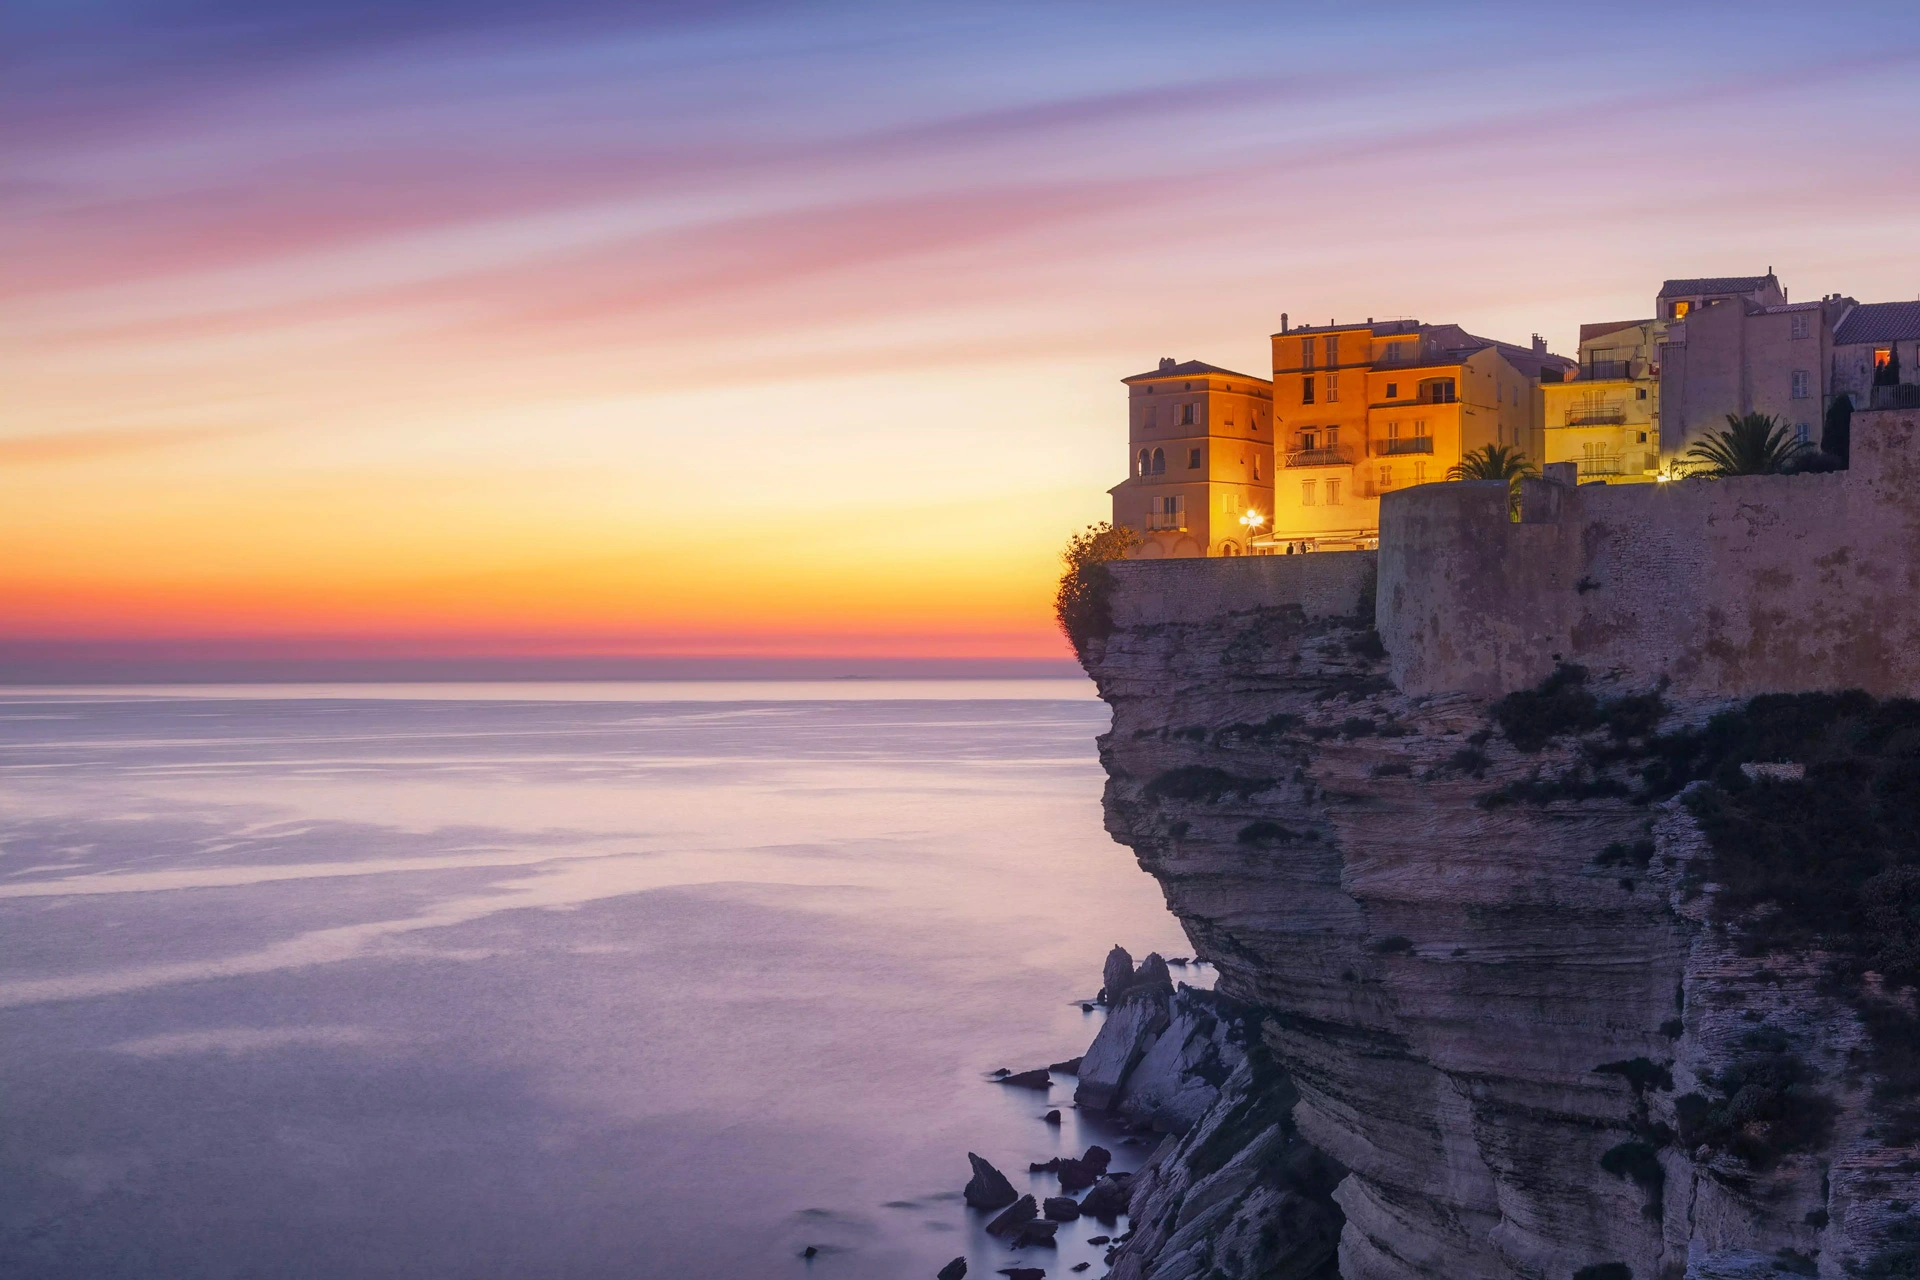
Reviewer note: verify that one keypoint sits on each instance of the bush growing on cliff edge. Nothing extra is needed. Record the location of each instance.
(1082, 603)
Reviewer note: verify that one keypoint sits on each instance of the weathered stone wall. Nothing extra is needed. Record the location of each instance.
(1724, 587)
(1330, 585)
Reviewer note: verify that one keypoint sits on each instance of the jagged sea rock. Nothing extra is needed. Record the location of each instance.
(955, 1270)
(1180, 1074)
(1035, 1079)
(1023, 1210)
(1060, 1208)
(988, 1188)
(1116, 975)
(1106, 1202)
(1123, 1040)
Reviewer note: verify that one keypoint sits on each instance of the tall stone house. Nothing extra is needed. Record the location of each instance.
(1736, 345)
(1606, 418)
(1877, 344)
(1362, 409)
(1200, 458)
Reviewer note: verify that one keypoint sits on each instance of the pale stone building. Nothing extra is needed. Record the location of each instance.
(1876, 341)
(1736, 345)
(1364, 409)
(1200, 458)
(1605, 418)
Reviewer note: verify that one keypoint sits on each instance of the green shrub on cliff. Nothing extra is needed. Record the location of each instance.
(1082, 602)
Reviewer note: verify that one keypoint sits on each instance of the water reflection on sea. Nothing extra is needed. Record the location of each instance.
(535, 980)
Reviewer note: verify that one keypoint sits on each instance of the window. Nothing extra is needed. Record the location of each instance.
(1333, 493)
(1309, 439)
(1333, 437)
(1393, 431)
(1386, 477)
(1306, 493)
(1640, 393)
(1306, 390)
(1333, 387)
(1437, 391)
(1642, 439)
(1882, 357)
(1167, 513)
(1419, 473)
(1186, 415)
(1680, 310)
(1801, 381)
(1333, 351)
(1306, 353)
(1393, 355)
(1393, 388)
(1146, 464)
(1193, 459)
(1802, 325)
(1256, 468)
(1159, 462)
(1802, 432)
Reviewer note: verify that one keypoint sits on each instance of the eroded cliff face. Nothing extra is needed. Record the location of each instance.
(1485, 1014)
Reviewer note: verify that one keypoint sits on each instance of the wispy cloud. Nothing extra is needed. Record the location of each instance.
(87, 445)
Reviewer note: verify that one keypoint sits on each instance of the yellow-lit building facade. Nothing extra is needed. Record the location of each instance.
(1605, 417)
(1361, 410)
(1199, 461)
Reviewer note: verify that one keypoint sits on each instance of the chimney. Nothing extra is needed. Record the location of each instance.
(1166, 363)
(1539, 345)
(1283, 322)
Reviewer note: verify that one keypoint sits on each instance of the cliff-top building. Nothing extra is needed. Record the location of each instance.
(1605, 418)
(1360, 410)
(1200, 458)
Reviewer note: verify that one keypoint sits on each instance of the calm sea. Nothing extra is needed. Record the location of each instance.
(518, 981)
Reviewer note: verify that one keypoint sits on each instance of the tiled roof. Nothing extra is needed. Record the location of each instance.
(1588, 331)
(1191, 369)
(1713, 284)
(1880, 322)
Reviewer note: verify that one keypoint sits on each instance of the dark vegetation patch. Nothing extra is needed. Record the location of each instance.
(1178, 829)
(1471, 761)
(1264, 832)
(1202, 783)
(1673, 1028)
(1367, 645)
(1769, 1104)
(1605, 1271)
(1192, 733)
(1562, 704)
(1795, 1263)
(1640, 1073)
(1899, 1253)
(1638, 1161)
(1538, 789)
(1621, 854)
(1390, 769)
(1267, 730)
(1830, 860)
(1395, 945)
(1359, 727)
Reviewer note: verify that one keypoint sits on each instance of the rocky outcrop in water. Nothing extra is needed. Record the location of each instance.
(1502, 1024)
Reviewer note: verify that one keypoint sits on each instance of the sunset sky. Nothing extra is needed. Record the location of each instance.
(359, 329)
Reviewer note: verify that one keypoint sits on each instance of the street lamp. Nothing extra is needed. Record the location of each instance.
(1253, 520)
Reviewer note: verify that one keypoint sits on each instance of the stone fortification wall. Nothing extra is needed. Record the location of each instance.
(1724, 587)
(1330, 585)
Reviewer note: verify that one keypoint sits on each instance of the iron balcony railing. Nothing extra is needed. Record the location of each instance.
(1597, 413)
(1603, 465)
(1901, 395)
(1601, 370)
(1333, 456)
(1402, 444)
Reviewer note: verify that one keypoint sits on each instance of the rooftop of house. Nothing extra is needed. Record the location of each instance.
(1715, 284)
(1171, 368)
(1879, 322)
(1379, 328)
(1588, 332)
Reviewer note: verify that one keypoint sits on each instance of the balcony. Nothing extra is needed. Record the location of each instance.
(1333, 456)
(1604, 370)
(1595, 412)
(1901, 395)
(1601, 465)
(1394, 445)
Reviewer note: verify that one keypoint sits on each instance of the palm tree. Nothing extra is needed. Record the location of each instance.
(1751, 444)
(1492, 462)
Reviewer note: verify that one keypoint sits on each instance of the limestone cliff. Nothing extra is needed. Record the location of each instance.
(1500, 1010)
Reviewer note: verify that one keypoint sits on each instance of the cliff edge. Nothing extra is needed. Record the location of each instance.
(1590, 961)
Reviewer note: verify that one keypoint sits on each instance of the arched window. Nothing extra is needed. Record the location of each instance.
(1146, 463)
(1159, 462)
